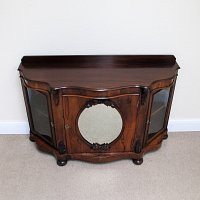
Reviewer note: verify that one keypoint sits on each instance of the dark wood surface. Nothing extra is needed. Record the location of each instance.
(71, 83)
(98, 72)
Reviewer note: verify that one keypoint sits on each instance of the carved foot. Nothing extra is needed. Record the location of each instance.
(138, 161)
(61, 162)
(165, 136)
(31, 138)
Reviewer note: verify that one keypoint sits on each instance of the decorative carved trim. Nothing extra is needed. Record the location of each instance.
(61, 148)
(100, 147)
(94, 102)
(138, 147)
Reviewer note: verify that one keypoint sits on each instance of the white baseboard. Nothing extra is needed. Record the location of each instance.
(14, 127)
(174, 126)
(184, 125)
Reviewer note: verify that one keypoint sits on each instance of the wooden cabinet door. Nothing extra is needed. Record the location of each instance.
(127, 105)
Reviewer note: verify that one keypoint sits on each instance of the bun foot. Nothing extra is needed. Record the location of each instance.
(61, 162)
(31, 138)
(138, 161)
(165, 136)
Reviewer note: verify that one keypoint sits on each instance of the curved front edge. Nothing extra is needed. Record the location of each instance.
(98, 157)
(88, 157)
(100, 93)
(38, 85)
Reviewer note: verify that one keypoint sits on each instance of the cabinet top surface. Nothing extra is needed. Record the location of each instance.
(98, 72)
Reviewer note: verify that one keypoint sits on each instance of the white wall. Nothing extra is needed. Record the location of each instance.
(33, 27)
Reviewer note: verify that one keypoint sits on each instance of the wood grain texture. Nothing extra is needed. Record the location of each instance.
(98, 72)
(73, 83)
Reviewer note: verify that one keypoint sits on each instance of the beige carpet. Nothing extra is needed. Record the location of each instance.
(171, 173)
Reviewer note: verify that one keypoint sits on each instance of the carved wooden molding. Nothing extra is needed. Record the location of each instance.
(61, 148)
(100, 147)
(94, 102)
(138, 147)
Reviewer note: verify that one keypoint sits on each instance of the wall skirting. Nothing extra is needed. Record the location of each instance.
(10, 127)
(179, 125)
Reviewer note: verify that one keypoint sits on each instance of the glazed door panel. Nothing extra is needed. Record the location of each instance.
(159, 108)
(40, 114)
(123, 140)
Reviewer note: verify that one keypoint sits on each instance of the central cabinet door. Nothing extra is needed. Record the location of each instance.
(100, 124)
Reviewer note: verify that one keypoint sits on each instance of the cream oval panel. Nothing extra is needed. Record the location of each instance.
(100, 124)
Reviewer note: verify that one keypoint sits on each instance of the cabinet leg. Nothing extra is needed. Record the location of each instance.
(61, 162)
(165, 136)
(31, 137)
(138, 161)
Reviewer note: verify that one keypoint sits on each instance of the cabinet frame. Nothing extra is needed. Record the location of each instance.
(136, 143)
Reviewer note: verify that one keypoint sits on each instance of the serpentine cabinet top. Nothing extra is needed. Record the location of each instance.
(98, 72)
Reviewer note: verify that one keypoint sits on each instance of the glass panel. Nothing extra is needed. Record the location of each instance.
(40, 114)
(100, 124)
(158, 111)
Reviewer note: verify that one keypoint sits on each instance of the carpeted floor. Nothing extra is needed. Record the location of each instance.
(171, 173)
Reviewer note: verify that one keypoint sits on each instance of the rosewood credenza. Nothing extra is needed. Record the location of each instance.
(98, 108)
